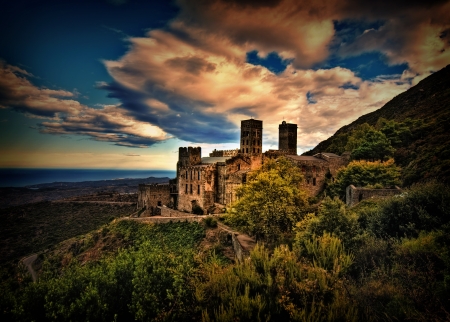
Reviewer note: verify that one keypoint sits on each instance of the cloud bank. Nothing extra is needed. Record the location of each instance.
(191, 80)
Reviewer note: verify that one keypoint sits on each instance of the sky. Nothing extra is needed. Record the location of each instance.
(124, 83)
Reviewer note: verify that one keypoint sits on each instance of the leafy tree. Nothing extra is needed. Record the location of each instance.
(374, 146)
(357, 136)
(398, 133)
(364, 174)
(270, 202)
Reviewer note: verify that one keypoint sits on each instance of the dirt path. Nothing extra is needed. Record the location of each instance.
(28, 262)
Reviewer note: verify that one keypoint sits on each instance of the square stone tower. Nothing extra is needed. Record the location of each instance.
(251, 136)
(287, 138)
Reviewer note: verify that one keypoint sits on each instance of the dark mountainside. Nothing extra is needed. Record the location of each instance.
(426, 155)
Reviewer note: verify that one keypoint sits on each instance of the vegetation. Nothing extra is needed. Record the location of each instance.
(271, 201)
(364, 174)
(416, 124)
(146, 280)
(35, 227)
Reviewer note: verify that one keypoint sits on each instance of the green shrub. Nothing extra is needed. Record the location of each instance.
(210, 222)
(197, 210)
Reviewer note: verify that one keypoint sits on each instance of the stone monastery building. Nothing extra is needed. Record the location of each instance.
(211, 182)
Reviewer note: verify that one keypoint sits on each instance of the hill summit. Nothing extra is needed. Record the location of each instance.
(424, 110)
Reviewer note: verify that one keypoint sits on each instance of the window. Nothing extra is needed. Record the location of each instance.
(246, 150)
(191, 174)
(186, 189)
(253, 142)
(247, 142)
(253, 150)
(314, 169)
(314, 181)
(159, 203)
(243, 142)
(198, 189)
(307, 181)
(239, 167)
(187, 177)
(258, 150)
(191, 189)
(198, 175)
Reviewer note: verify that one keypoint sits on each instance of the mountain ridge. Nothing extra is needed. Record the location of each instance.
(427, 156)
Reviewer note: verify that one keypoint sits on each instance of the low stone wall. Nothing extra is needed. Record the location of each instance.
(169, 212)
(356, 194)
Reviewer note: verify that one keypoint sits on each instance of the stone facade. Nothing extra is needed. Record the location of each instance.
(356, 194)
(151, 196)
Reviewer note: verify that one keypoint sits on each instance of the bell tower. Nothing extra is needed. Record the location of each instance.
(287, 138)
(251, 136)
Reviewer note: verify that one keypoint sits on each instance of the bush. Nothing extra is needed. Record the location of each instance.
(197, 210)
(210, 222)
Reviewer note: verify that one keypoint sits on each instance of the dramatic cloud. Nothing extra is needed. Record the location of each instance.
(68, 116)
(17, 92)
(192, 80)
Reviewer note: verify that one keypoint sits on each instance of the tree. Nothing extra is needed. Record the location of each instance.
(375, 174)
(356, 137)
(374, 146)
(270, 202)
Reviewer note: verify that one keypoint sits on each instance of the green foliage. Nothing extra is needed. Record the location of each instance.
(357, 136)
(275, 287)
(271, 201)
(332, 217)
(210, 222)
(364, 174)
(148, 281)
(398, 133)
(374, 146)
(424, 207)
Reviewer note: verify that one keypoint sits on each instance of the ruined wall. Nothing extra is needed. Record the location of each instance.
(356, 194)
(152, 195)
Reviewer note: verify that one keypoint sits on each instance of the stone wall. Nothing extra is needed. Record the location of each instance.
(168, 212)
(152, 195)
(356, 194)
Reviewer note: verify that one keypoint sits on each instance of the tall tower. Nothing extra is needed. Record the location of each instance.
(287, 140)
(251, 136)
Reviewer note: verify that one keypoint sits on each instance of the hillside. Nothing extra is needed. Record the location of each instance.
(426, 155)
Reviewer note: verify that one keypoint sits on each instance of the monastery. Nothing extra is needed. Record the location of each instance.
(205, 183)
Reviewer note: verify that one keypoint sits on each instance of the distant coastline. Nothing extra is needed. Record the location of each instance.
(25, 177)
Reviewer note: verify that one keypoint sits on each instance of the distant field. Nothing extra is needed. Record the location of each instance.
(34, 227)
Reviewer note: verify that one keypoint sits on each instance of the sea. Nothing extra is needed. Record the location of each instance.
(21, 177)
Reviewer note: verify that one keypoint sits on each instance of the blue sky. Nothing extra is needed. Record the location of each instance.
(122, 84)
